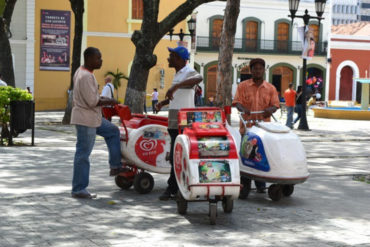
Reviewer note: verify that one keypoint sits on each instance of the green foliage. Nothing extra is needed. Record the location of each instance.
(117, 77)
(8, 94)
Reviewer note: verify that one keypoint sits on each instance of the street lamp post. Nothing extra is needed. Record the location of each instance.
(293, 7)
(181, 34)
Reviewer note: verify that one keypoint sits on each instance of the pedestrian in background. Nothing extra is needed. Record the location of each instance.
(108, 92)
(289, 96)
(298, 104)
(154, 100)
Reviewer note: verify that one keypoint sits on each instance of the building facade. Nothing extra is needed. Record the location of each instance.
(263, 30)
(108, 25)
(364, 14)
(345, 11)
(349, 56)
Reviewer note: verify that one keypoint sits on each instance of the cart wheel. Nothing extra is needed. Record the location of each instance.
(244, 191)
(227, 204)
(182, 204)
(275, 192)
(143, 182)
(212, 213)
(288, 189)
(123, 182)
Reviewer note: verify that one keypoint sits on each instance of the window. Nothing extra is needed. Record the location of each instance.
(137, 9)
(251, 35)
(282, 36)
(334, 8)
(216, 31)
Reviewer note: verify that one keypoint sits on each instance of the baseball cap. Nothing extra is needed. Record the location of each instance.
(255, 61)
(181, 51)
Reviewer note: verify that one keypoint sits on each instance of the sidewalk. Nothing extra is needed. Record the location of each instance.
(36, 209)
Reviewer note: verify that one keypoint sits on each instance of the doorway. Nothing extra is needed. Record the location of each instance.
(346, 83)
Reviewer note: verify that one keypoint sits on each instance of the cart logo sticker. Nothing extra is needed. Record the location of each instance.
(148, 150)
(253, 154)
(148, 145)
(214, 171)
(178, 165)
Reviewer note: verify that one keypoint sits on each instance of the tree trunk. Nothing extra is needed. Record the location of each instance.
(6, 60)
(145, 41)
(225, 69)
(78, 10)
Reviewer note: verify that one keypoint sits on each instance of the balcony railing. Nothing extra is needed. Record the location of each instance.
(260, 46)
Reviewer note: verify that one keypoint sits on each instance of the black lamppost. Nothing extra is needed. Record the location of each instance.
(191, 27)
(293, 7)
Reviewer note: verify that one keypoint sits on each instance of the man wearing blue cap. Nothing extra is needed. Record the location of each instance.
(180, 95)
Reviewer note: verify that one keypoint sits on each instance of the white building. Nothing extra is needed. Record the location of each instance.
(263, 30)
(22, 28)
(364, 14)
(345, 11)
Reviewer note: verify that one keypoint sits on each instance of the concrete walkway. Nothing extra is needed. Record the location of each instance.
(36, 209)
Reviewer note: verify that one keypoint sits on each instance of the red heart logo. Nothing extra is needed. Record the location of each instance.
(148, 145)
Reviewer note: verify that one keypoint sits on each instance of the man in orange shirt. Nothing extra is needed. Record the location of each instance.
(256, 94)
(289, 96)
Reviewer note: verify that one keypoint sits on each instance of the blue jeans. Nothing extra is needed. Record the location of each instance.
(85, 143)
(289, 120)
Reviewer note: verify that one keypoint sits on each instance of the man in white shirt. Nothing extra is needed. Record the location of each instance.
(107, 92)
(180, 95)
(2, 83)
(108, 89)
(154, 100)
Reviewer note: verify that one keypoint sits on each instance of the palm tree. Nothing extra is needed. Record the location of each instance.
(117, 76)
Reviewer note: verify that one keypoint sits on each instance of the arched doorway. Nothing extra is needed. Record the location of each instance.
(345, 89)
(211, 82)
(317, 85)
(245, 73)
(281, 77)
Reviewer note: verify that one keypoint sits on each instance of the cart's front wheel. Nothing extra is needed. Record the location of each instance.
(288, 189)
(212, 213)
(182, 204)
(123, 182)
(227, 204)
(143, 182)
(246, 187)
(275, 192)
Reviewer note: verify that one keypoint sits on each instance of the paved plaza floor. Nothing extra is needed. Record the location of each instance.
(36, 209)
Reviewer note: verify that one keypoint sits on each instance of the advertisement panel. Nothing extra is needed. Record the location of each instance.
(55, 40)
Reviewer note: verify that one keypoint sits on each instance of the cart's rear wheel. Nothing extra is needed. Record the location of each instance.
(246, 187)
(288, 189)
(123, 182)
(227, 204)
(182, 204)
(212, 213)
(143, 182)
(275, 192)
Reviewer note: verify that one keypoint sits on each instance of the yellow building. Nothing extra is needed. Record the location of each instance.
(108, 25)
